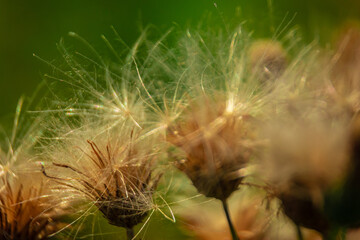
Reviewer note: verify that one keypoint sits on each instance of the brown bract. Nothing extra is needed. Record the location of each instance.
(27, 211)
(117, 178)
(217, 141)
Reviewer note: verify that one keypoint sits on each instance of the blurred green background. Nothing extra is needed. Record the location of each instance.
(35, 26)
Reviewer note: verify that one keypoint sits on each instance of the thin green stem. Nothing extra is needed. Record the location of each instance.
(343, 234)
(335, 234)
(328, 237)
(130, 233)
(299, 233)
(232, 229)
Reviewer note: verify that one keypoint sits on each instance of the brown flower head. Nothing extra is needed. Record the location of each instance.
(27, 209)
(217, 139)
(308, 157)
(116, 174)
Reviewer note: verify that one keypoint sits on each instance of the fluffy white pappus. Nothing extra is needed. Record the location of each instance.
(225, 87)
(108, 92)
(253, 77)
(208, 95)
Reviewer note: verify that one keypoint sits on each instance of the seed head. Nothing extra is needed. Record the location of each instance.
(217, 141)
(116, 174)
(28, 211)
(301, 144)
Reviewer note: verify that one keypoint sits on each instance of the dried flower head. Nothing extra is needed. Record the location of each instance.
(313, 139)
(100, 142)
(217, 139)
(115, 173)
(28, 210)
(214, 111)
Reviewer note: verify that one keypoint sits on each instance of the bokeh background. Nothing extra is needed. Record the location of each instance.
(36, 26)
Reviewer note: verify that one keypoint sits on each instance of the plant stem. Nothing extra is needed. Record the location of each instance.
(232, 229)
(343, 234)
(335, 234)
(130, 233)
(328, 237)
(299, 233)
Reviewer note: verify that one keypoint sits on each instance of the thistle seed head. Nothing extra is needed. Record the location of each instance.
(217, 141)
(28, 211)
(127, 189)
(307, 158)
(116, 174)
